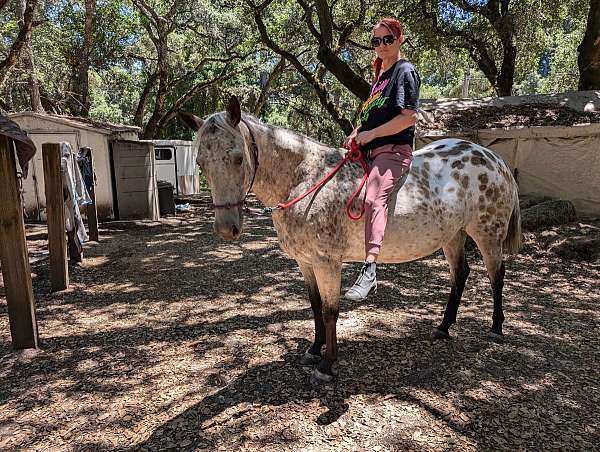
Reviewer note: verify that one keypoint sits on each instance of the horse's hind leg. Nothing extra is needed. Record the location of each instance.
(454, 251)
(313, 354)
(491, 252)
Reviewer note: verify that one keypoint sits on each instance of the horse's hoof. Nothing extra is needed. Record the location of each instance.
(438, 335)
(318, 378)
(308, 359)
(495, 337)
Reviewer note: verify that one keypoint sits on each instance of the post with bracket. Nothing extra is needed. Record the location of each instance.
(14, 257)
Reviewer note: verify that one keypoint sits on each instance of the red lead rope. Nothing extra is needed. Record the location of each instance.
(354, 154)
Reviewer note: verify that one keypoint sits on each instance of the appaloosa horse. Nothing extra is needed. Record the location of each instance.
(455, 188)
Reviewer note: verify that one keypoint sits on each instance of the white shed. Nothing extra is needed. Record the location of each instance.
(79, 132)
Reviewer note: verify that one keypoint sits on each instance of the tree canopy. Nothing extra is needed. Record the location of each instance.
(304, 64)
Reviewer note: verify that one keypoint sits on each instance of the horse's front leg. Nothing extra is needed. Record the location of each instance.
(328, 275)
(313, 354)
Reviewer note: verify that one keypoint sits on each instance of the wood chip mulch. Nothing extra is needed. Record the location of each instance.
(171, 339)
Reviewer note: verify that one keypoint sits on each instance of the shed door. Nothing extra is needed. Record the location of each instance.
(134, 179)
(166, 164)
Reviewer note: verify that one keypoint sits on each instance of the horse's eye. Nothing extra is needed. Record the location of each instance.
(238, 160)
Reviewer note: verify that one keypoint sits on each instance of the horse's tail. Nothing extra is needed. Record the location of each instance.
(514, 238)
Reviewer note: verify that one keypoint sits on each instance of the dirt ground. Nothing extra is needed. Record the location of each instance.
(170, 338)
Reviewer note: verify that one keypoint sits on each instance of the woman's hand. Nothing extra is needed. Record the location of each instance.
(365, 137)
(349, 138)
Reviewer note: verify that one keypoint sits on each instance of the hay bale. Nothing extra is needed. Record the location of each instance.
(548, 213)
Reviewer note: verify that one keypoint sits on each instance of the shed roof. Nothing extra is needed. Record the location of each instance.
(166, 142)
(93, 125)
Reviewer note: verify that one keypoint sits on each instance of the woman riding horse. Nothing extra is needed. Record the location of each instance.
(386, 133)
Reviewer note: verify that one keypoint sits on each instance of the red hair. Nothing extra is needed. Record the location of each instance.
(395, 28)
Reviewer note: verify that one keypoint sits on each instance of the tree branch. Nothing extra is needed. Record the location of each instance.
(171, 112)
(275, 73)
(138, 118)
(350, 27)
(325, 22)
(22, 38)
(321, 91)
(201, 64)
(309, 21)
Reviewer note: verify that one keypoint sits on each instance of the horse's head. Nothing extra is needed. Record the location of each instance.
(225, 159)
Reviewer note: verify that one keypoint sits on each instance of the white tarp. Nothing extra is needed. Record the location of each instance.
(186, 160)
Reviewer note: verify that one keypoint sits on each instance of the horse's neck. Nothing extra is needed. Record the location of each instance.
(279, 154)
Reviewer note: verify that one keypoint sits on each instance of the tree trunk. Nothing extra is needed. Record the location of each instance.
(82, 86)
(23, 37)
(151, 128)
(505, 27)
(277, 71)
(34, 88)
(497, 13)
(138, 119)
(589, 51)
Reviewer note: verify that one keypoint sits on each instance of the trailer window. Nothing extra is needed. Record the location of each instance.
(163, 154)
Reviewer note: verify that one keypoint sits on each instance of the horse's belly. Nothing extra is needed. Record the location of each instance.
(409, 235)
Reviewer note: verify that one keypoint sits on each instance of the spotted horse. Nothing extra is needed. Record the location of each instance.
(454, 189)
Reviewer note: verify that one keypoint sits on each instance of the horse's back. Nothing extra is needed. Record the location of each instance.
(453, 177)
(452, 185)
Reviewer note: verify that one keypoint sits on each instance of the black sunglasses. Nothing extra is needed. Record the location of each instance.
(387, 40)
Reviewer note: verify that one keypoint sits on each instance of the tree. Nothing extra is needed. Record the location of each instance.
(34, 88)
(24, 36)
(477, 27)
(328, 51)
(589, 50)
(176, 86)
(302, 64)
(81, 100)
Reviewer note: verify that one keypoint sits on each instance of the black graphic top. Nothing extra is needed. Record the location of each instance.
(396, 88)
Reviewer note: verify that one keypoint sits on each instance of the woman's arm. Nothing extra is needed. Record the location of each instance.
(395, 125)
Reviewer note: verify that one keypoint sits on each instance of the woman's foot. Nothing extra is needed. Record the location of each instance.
(366, 281)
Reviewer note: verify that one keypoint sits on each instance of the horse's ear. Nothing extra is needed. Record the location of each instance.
(190, 120)
(234, 111)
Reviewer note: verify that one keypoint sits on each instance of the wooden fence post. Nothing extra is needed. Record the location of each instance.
(14, 256)
(57, 242)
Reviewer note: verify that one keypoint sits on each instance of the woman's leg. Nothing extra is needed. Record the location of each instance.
(386, 172)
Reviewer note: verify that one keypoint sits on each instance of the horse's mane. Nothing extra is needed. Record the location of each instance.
(220, 121)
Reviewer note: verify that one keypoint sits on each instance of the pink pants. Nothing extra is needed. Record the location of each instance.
(387, 172)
